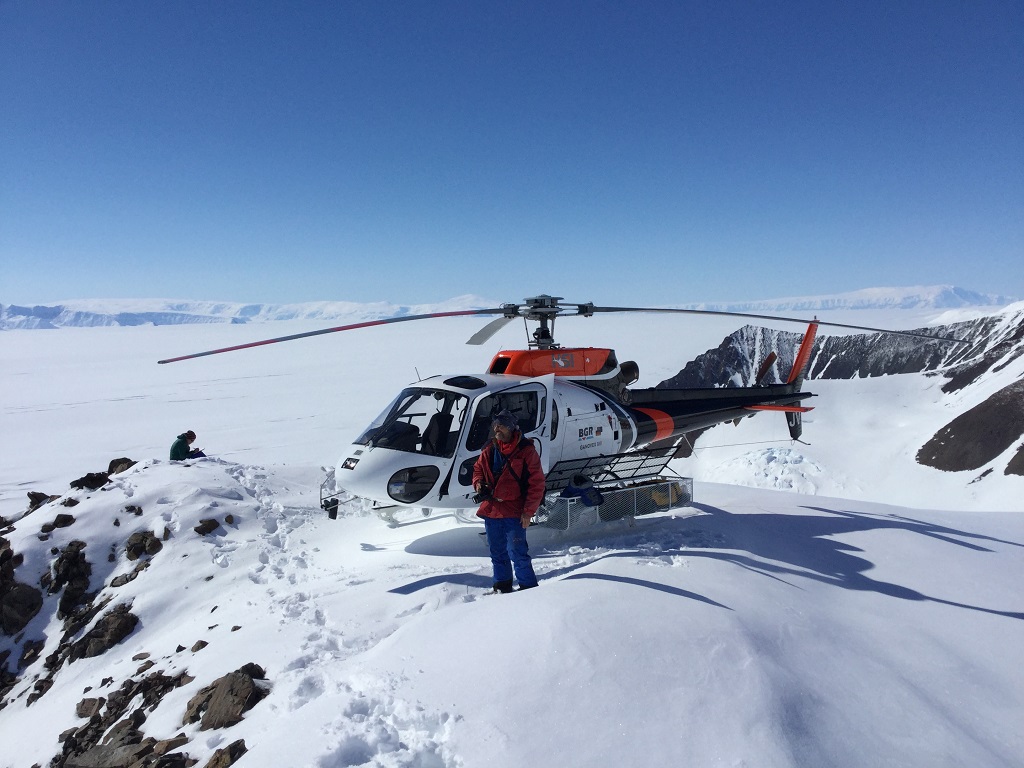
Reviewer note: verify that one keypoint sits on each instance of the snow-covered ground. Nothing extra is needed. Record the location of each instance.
(758, 628)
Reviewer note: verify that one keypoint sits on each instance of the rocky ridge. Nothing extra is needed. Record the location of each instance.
(969, 442)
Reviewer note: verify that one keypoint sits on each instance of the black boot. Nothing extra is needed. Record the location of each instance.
(502, 586)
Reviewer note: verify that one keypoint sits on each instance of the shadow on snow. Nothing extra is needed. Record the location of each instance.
(772, 544)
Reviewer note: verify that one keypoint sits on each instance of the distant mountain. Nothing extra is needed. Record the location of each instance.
(914, 297)
(127, 312)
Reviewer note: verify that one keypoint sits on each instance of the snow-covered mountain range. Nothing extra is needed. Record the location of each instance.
(130, 312)
(167, 614)
(90, 313)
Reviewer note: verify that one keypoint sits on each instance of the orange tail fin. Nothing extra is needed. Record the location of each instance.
(803, 356)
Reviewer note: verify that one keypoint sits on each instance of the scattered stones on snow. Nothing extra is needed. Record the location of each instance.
(117, 466)
(208, 525)
(120, 716)
(91, 481)
(37, 499)
(62, 520)
(142, 543)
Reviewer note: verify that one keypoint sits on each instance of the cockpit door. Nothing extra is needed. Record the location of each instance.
(529, 401)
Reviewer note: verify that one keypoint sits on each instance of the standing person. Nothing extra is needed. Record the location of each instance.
(182, 447)
(509, 477)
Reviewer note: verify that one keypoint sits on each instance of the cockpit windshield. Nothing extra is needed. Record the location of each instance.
(419, 420)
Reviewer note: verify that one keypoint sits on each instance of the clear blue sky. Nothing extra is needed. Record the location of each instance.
(640, 152)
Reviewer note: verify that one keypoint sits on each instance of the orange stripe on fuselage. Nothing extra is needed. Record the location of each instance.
(661, 420)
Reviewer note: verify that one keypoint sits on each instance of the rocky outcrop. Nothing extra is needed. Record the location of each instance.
(976, 437)
(110, 630)
(19, 603)
(228, 755)
(120, 716)
(222, 703)
(70, 572)
(969, 442)
(1016, 465)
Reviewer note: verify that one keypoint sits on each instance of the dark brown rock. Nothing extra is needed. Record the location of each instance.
(91, 706)
(63, 520)
(18, 606)
(71, 572)
(142, 543)
(1016, 465)
(119, 465)
(37, 499)
(976, 437)
(222, 703)
(206, 526)
(30, 652)
(91, 481)
(110, 630)
(169, 745)
(227, 756)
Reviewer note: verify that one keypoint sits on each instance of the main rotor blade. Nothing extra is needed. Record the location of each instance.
(724, 313)
(353, 326)
(489, 330)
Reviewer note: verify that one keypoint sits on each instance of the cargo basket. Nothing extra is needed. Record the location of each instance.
(564, 513)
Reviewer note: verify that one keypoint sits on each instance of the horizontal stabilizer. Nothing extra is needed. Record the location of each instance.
(784, 408)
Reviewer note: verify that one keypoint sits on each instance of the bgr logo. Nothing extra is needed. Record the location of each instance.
(586, 432)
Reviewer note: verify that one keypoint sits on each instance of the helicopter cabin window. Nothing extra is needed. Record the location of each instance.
(527, 404)
(419, 420)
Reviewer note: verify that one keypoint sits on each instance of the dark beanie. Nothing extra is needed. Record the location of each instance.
(506, 419)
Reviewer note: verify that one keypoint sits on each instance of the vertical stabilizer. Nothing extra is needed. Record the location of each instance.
(794, 420)
(803, 355)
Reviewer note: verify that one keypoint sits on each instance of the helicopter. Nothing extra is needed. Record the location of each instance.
(576, 404)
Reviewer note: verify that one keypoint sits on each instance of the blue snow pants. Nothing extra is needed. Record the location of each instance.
(506, 539)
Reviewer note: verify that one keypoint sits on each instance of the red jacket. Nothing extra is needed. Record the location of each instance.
(507, 499)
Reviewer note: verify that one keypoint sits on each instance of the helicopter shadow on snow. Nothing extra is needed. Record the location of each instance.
(786, 545)
(777, 545)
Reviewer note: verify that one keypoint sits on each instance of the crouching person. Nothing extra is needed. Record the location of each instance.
(509, 479)
(182, 449)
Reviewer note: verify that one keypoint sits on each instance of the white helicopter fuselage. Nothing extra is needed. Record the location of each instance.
(421, 450)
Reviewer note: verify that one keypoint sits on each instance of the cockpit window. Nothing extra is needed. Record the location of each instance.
(419, 420)
(526, 404)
